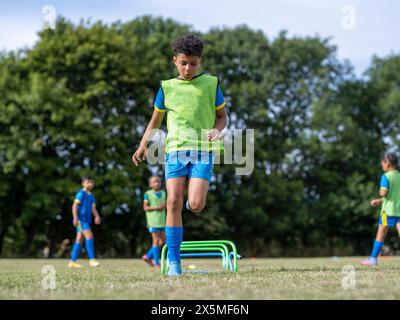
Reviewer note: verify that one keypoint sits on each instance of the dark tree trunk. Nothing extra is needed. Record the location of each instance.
(30, 233)
(134, 235)
(3, 232)
(56, 232)
(53, 245)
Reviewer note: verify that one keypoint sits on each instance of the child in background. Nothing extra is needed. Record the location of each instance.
(390, 200)
(154, 205)
(82, 210)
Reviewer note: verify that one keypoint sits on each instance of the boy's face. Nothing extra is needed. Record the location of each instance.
(385, 165)
(155, 183)
(187, 66)
(88, 185)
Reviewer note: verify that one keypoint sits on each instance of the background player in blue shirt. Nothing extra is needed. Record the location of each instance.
(82, 210)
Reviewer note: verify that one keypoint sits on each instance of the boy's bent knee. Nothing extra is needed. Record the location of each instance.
(196, 206)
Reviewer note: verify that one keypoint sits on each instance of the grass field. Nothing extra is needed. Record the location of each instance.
(312, 278)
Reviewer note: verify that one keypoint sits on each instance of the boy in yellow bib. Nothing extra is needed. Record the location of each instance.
(390, 200)
(194, 105)
(154, 206)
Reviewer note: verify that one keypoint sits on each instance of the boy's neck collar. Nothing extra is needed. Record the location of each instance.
(86, 191)
(196, 76)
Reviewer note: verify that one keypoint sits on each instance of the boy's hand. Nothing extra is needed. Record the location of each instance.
(97, 220)
(139, 155)
(75, 222)
(375, 202)
(213, 134)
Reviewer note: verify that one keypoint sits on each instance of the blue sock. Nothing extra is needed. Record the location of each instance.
(156, 254)
(76, 250)
(90, 248)
(150, 253)
(376, 249)
(174, 238)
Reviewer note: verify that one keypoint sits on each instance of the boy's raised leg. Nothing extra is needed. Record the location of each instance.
(197, 194)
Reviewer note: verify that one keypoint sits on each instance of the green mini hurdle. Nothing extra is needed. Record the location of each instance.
(206, 248)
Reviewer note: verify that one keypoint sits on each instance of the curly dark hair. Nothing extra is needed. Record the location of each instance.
(189, 45)
(87, 177)
(391, 158)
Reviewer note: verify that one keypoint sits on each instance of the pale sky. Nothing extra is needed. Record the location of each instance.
(375, 28)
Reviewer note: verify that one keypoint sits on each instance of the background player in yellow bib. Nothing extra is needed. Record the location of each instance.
(154, 205)
(194, 105)
(390, 200)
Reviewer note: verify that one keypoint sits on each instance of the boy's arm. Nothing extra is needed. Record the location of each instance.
(75, 213)
(378, 201)
(220, 123)
(146, 206)
(383, 191)
(75, 207)
(97, 219)
(154, 123)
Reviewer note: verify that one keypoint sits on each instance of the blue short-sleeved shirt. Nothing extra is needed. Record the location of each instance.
(384, 184)
(159, 102)
(86, 201)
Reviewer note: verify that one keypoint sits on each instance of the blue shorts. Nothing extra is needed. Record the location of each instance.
(193, 164)
(152, 229)
(388, 221)
(82, 226)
